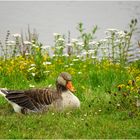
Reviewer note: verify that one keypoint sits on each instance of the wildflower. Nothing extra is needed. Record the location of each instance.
(121, 34)
(79, 72)
(120, 86)
(100, 110)
(96, 113)
(32, 65)
(92, 43)
(80, 43)
(97, 43)
(71, 64)
(26, 53)
(66, 66)
(27, 43)
(65, 55)
(127, 87)
(47, 63)
(75, 60)
(78, 56)
(103, 40)
(91, 51)
(85, 115)
(84, 53)
(93, 57)
(56, 34)
(67, 113)
(33, 74)
(108, 37)
(53, 55)
(50, 85)
(30, 85)
(46, 47)
(137, 79)
(118, 105)
(68, 44)
(112, 30)
(46, 71)
(52, 114)
(10, 42)
(117, 41)
(16, 35)
(31, 68)
(74, 40)
(34, 45)
(127, 37)
(132, 88)
(61, 39)
(138, 103)
(59, 47)
(131, 82)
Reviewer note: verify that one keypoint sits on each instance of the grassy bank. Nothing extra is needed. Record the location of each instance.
(105, 110)
(105, 74)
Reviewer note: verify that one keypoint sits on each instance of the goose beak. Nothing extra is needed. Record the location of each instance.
(70, 86)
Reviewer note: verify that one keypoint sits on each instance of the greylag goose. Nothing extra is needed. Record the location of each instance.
(39, 100)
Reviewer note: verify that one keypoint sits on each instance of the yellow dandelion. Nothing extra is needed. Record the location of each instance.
(138, 79)
(128, 87)
(130, 82)
(121, 86)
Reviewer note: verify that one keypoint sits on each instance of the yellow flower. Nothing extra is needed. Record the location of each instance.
(127, 87)
(138, 79)
(130, 82)
(132, 88)
(121, 86)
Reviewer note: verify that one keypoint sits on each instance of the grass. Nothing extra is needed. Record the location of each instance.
(108, 89)
(86, 122)
(99, 116)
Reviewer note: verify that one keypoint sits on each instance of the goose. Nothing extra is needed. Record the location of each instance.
(40, 100)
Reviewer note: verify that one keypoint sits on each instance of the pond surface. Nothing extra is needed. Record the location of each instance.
(60, 17)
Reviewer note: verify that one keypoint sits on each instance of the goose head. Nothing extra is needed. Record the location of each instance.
(64, 83)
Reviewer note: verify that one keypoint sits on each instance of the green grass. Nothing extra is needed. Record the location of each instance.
(95, 119)
(108, 91)
(86, 122)
(99, 116)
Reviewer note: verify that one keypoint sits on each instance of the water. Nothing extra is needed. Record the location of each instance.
(60, 17)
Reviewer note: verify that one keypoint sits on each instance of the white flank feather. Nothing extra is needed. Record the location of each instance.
(16, 107)
(1, 93)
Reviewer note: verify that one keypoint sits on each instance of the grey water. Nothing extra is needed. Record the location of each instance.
(49, 17)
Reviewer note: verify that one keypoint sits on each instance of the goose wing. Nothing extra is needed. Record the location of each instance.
(34, 99)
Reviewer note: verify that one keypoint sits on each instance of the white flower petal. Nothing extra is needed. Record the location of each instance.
(16, 35)
(47, 63)
(27, 43)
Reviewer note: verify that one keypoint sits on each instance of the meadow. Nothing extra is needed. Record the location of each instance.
(105, 73)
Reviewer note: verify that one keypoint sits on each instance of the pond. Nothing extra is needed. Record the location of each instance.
(63, 16)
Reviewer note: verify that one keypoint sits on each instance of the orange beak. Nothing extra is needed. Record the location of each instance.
(70, 86)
